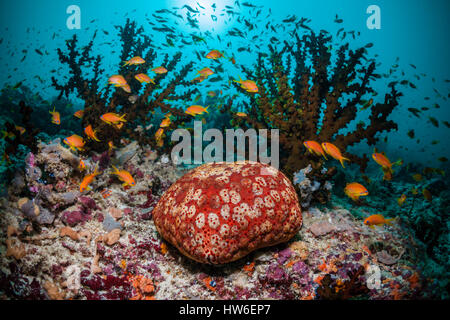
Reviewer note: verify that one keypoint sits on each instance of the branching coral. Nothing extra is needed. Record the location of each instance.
(26, 138)
(308, 94)
(17, 142)
(144, 99)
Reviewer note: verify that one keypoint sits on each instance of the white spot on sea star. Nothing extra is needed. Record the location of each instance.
(200, 220)
(213, 220)
(225, 211)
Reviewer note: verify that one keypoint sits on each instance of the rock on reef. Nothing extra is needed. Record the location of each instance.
(220, 212)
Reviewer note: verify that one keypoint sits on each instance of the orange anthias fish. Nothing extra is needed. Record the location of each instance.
(124, 176)
(248, 85)
(111, 145)
(142, 77)
(355, 190)
(87, 180)
(206, 72)
(315, 148)
(113, 118)
(159, 70)
(165, 122)
(91, 133)
(196, 109)
(20, 129)
(81, 165)
(56, 119)
(377, 220)
(158, 136)
(79, 114)
(126, 88)
(334, 151)
(75, 142)
(382, 160)
(134, 61)
(117, 80)
(214, 54)
(241, 114)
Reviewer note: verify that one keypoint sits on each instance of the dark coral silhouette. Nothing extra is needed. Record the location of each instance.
(307, 95)
(139, 111)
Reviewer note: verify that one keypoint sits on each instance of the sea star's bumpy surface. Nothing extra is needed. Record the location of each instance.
(219, 212)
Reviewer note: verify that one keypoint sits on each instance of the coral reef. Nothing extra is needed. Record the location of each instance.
(108, 247)
(144, 240)
(314, 185)
(17, 141)
(220, 212)
(424, 221)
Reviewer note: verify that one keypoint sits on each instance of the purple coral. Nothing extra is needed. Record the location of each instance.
(277, 275)
(72, 218)
(87, 203)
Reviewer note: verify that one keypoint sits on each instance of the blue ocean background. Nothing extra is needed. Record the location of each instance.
(415, 31)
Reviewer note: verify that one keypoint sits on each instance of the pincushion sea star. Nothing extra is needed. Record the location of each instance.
(220, 212)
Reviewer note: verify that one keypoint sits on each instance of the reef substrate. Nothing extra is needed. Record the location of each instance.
(103, 244)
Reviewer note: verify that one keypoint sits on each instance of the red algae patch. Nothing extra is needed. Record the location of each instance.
(220, 212)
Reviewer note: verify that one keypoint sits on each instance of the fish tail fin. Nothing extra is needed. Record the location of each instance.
(95, 137)
(206, 109)
(342, 161)
(391, 220)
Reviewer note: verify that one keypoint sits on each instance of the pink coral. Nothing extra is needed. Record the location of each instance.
(220, 212)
